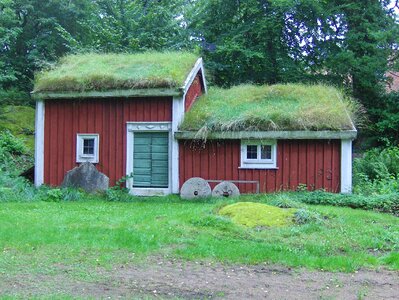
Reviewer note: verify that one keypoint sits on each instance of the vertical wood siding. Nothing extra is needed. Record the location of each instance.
(64, 119)
(314, 163)
(194, 91)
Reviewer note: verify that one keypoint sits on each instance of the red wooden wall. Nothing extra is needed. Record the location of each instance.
(194, 91)
(108, 117)
(315, 163)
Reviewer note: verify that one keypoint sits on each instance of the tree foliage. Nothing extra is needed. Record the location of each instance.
(349, 43)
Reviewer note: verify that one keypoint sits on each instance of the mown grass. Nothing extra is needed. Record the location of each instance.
(20, 121)
(100, 72)
(275, 107)
(41, 236)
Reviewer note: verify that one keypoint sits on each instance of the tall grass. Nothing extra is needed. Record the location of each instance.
(276, 107)
(99, 72)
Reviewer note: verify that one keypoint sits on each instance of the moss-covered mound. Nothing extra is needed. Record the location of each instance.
(102, 72)
(252, 214)
(20, 121)
(275, 107)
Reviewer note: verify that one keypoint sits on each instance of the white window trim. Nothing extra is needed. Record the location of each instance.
(133, 127)
(80, 157)
(258, 163)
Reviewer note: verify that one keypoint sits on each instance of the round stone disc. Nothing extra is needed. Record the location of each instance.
(195, 188)
(226, 189)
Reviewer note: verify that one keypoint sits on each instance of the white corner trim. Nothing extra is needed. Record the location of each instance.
(199, 66)
(346, 166)
(191, 76)
(39, 143)
(177, 118)
(133, 127)
(258, 164)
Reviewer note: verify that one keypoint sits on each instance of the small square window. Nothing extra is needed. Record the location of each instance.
(87, 148)
(258, 154)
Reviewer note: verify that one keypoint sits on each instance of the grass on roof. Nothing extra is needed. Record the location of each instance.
(104, 72)
(265, 108)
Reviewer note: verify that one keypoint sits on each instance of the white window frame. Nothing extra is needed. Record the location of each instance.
(258, 163)
(80, 157)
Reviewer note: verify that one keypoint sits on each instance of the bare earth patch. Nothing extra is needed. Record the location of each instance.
(159, 278)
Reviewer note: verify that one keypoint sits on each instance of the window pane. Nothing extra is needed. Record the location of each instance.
(266, 152)
(252, 152)
(88, 146)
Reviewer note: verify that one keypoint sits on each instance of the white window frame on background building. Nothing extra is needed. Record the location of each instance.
(258, 162)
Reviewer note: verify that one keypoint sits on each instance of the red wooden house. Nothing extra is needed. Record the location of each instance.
(126, 114)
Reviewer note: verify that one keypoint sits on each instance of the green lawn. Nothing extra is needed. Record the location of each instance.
(38, 236)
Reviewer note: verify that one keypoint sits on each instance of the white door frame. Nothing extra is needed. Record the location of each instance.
(133, 127)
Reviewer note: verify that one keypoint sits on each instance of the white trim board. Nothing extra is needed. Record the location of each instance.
(177, 118)
(289, 135)
(346, 166)
(39, 143)
(133, 127)
(199, 66)
(108, 94)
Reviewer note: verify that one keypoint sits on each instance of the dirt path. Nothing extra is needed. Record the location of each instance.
(190, 280)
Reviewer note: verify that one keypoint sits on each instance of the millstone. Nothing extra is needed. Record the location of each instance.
(87, 177)
(195, 188)
(226, 189)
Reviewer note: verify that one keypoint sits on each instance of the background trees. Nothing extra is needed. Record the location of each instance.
(349, 43)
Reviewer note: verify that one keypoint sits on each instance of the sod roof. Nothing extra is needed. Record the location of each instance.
(280, 107)
(105, 72)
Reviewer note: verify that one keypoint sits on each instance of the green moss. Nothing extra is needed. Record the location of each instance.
(275, 107)
(253, 214)
(20, 121)
(101, 72)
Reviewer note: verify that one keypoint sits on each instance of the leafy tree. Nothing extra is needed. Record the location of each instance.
(369, 35)
(344, 42)
(245, 41)
(36, 32)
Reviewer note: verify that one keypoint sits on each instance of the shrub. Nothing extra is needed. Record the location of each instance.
(53, 195)
(377, 172)
(117, 195)
(303, 216)
(216, 222)
(377, 163)
(11, 144)
(388, 203)
(13, 154)
(284, 201)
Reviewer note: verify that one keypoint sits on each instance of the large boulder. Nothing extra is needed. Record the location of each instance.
(87, 177)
